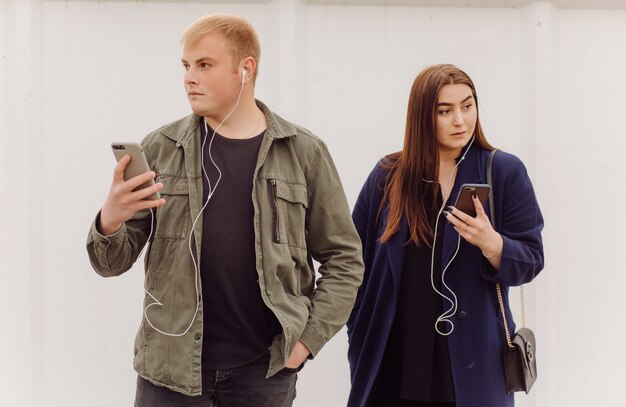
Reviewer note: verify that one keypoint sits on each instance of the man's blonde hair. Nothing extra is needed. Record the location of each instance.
(239, 34)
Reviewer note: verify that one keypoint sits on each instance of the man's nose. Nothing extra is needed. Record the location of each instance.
(190, 77)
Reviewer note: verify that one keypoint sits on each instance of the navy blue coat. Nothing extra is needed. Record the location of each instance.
(478, 338)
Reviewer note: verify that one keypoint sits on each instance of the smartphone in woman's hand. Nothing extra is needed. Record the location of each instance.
(464, 200)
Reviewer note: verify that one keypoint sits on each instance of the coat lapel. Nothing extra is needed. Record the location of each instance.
(395, 252)
(470, 171)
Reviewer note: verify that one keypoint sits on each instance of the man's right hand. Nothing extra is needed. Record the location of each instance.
(122, 203)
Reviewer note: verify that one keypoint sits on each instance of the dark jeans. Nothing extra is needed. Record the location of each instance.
(238, 387)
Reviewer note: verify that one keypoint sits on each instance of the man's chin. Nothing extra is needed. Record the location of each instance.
(199, 110)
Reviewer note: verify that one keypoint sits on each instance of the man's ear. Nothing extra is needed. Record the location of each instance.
(248, 68)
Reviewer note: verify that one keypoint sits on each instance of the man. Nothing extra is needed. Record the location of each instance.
(248, 200)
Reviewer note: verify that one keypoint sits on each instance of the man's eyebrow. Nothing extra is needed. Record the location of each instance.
(203, 59)
(450, 104)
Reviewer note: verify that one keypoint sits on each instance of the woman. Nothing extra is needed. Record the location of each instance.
(415, 339)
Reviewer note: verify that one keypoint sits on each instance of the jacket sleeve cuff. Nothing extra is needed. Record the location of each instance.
(312, 340)
(99, 246)
(116, 237)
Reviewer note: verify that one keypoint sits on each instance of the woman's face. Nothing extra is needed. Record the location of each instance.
(456, 117)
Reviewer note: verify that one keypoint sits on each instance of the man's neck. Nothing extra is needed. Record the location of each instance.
(246, 121)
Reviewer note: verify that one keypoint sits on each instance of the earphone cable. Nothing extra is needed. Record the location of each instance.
(193, 225)
(445, 317)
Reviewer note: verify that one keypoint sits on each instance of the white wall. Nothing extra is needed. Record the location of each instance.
(75, 75)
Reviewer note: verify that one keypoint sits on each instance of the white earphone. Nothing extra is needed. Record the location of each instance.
(449, 313)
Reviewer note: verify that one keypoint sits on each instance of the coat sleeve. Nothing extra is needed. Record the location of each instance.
(519, 221)
(364, 216)
(115, 254)
(334, 243)
(361, 211)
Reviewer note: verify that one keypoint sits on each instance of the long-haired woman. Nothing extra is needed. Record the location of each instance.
(426, 328)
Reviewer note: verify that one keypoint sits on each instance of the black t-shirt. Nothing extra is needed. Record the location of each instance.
(416, 364)
(238, 326)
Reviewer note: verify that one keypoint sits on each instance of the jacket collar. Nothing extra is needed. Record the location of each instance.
(183, 131)
(277, 127)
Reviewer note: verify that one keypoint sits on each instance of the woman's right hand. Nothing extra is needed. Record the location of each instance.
(478, 231)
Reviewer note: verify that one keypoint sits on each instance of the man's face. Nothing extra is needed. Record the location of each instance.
(212, 82)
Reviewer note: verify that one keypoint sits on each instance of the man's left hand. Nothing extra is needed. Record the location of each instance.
(298, 356)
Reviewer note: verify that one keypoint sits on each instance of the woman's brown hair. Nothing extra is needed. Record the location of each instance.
(405, 192)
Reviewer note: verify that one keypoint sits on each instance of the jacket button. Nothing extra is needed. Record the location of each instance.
(462, 314)
(198, 336)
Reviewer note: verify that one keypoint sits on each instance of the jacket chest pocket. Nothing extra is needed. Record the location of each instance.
(289, 204)
(173, 217)
(171, 230)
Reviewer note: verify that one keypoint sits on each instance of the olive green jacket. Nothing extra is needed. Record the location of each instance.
(300, 214)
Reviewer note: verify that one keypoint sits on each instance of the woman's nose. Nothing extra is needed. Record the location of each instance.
(457, 120)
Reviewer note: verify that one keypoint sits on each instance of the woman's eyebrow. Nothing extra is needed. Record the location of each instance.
(451, 104)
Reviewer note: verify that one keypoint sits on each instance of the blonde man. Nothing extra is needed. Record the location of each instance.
(232, 308)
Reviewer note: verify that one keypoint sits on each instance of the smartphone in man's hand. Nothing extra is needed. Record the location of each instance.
(137, 165)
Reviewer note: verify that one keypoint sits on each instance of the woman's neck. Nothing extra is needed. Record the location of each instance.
(448, 157)
(447, 172)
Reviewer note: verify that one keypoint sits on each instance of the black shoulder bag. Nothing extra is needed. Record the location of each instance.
(519, 354)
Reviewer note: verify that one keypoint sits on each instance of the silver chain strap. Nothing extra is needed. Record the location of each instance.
(493, 222)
